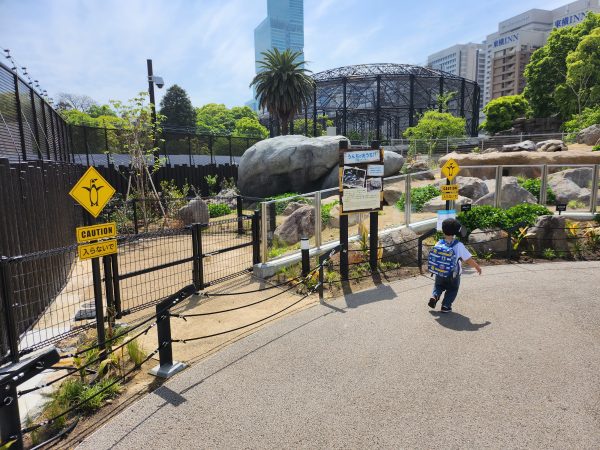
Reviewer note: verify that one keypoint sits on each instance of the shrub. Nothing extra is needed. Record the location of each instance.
(526, 213)
(291, 197)
(534, 186)
(481, 217)
(549, 253)
(596, 148)
(418, 197)
(326, 211)
(588, 117)
(218, 209)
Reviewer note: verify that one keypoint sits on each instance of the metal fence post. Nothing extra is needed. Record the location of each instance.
(197, 268)
(595, 187)
(407, 200)
(256, 237)
(420, 247)
(272, 219)
(344, 272)
(116, 285)
(230, 154)
(498, 196)
(263, 232)
(318, 221)
(108, 287)
(544, 185)
(240, 213)
(373, 234)
(305, 250)
(9, 312)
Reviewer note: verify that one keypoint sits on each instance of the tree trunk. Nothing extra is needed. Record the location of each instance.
(284, 127)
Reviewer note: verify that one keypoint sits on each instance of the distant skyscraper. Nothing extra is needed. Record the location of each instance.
(282, 29)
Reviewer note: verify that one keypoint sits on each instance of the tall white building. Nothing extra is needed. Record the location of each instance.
(463, 60)
(508, 50)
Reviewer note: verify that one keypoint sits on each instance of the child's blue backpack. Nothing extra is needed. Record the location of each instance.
(442, 259)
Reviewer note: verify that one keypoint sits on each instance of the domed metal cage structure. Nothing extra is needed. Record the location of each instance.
(379, 101)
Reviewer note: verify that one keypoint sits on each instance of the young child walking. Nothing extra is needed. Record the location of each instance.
(445, 261)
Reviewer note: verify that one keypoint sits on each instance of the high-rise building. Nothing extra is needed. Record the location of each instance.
(283, 28)
(509, 49)
(463, 60)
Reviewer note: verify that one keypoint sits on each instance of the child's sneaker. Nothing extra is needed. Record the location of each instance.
(446, 309)
(433, 301)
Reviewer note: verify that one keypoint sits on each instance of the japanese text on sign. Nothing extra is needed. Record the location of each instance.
(95, 250)
(361, 156)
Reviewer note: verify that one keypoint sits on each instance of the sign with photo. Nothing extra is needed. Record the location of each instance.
(361, 179)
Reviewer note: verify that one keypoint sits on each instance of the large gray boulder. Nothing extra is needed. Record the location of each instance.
(471, 187)
(551, 145)
(401, 246)
(301, 223)
(589, 135)
(486, 241)
(512, 194)
(564, 189)
(291, 207)
(287, 164)
(196, 211)
(528, 146)
(331, 180)
(436, 204)
(392, 163)
(548, 232)
(581, 176)
(420, 171)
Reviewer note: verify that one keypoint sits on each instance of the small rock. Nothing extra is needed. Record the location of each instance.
(552, 145)
(548, 232)
(334, 218)
(196, 211)
(401, 246)
(589, 135)
(485, 241)
(528, 146)
(291, 207)
(391, 195)
(301, 223)
(424, 172)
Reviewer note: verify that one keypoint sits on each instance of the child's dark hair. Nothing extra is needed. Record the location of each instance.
(451, 227)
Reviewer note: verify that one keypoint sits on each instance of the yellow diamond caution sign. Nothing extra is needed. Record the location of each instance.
(450, 192)
(96, 232)
(450, 169)
(92, 192)
(97, 249)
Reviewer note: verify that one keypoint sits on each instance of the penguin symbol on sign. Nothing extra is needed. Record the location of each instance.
(93, 191)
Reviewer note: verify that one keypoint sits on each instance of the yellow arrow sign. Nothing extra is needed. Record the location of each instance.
(450, 169)
(92, 192)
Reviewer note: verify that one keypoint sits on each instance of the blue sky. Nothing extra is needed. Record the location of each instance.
(99, 47)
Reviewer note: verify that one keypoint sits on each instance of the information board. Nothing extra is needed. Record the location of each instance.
(361, 179)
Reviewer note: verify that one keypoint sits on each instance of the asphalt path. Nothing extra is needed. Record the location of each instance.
(516, 365)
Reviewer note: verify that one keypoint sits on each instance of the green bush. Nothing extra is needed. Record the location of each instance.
(418, 197)
(291, 196)
(596, 148)
(486, 216)
(326, 211)
(481, 217)
(534, 186)
(218, 209)
(525, 212)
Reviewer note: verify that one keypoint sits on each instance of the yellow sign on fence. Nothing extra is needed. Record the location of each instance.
(96, 232)
(450, 192)
(92, 192)
(450, 169)
(97, 249)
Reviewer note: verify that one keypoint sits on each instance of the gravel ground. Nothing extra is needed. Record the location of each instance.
(514, 366)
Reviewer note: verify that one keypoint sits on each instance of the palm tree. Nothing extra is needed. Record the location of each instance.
(283, 85)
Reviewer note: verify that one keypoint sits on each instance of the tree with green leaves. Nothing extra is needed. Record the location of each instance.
(502, 111)
(283, 85)
(546, 73)
(434, 125)
(299, 127)
(96, 111)
(247, 126)
(177, 108)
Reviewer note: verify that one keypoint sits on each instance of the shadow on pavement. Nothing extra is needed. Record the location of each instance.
(382, 292)
(457, 322)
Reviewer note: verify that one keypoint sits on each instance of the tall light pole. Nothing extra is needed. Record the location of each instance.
(152, 79)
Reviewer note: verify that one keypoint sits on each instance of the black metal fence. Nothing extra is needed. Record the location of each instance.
(49, 296)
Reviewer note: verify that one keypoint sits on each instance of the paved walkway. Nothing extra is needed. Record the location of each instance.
(517, 365)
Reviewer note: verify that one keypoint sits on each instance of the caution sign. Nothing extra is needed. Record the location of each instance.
(450, 169)
(97, 249)
(450, 192)
(92, 192)
(96, 232)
